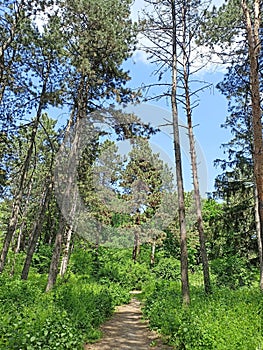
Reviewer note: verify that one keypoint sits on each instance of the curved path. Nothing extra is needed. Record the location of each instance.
(127, 330)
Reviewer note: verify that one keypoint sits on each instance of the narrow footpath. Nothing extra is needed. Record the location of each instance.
(127, 330)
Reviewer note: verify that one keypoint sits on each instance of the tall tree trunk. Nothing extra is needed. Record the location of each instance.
(179, 174)
(96, 248)
(200, 225)
(254, 47)
(18, 17)
(186, 71)
(21, 228)
(53, 270)
(12, 223)
(36, 231)
(65, 258)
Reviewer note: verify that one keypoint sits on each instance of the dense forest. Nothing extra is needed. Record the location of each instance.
(83, 223)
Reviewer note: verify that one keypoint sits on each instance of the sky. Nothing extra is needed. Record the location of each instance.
(208, 118)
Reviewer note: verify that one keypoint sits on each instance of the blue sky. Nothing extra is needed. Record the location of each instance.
(209, 116)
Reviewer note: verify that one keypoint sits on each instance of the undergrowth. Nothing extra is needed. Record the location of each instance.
(98, 280)
(64, 318)
(226, 320)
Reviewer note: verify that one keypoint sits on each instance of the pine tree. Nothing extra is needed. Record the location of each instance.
(238, 18)
(145, 182)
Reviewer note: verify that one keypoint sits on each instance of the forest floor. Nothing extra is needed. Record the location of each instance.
(127, 330)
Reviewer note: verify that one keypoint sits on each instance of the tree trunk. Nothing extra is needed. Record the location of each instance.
(258, 230)
(53, 270)
(200, 226)
(36, 232)
(179, 174)
(21, 228)
(254, 46)
(136, 245)
(18, 245)
(69, 196)
(153, 252)
(66, 252)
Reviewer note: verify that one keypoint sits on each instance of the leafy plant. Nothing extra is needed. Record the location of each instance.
(228, 319)
(168, 269)
(232, 271)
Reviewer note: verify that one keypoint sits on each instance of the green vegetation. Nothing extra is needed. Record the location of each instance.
(227, 319)
(70, 314)
(98, 280)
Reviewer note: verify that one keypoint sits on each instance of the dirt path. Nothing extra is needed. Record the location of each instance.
(127, 330)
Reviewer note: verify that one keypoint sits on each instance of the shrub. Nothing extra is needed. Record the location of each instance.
(168, 269)
(37, 329)
(61, 319)
(88, 304)
(41, 258)
(117, 266)
(81, 262)
(232, 271)
(226, 320)
(30, 320)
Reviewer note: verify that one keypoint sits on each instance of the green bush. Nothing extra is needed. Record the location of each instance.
(81, 262)
(232, 271)
(41, 258)
(227, 320)
(117, 266)
(37, 328)
(61, 319)
(29, 319)
(18, 293)
(168, 269)
(87, 304)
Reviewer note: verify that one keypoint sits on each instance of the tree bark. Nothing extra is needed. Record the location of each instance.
(21, 229)
(186, 71)
(66, 252)
(136, 245)
(153, 252)
(70, 193)
(18, 17)
(254, 47)
(36, 231)
(179, 174)
(53, 270)
(200, 225)
(258, 230)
